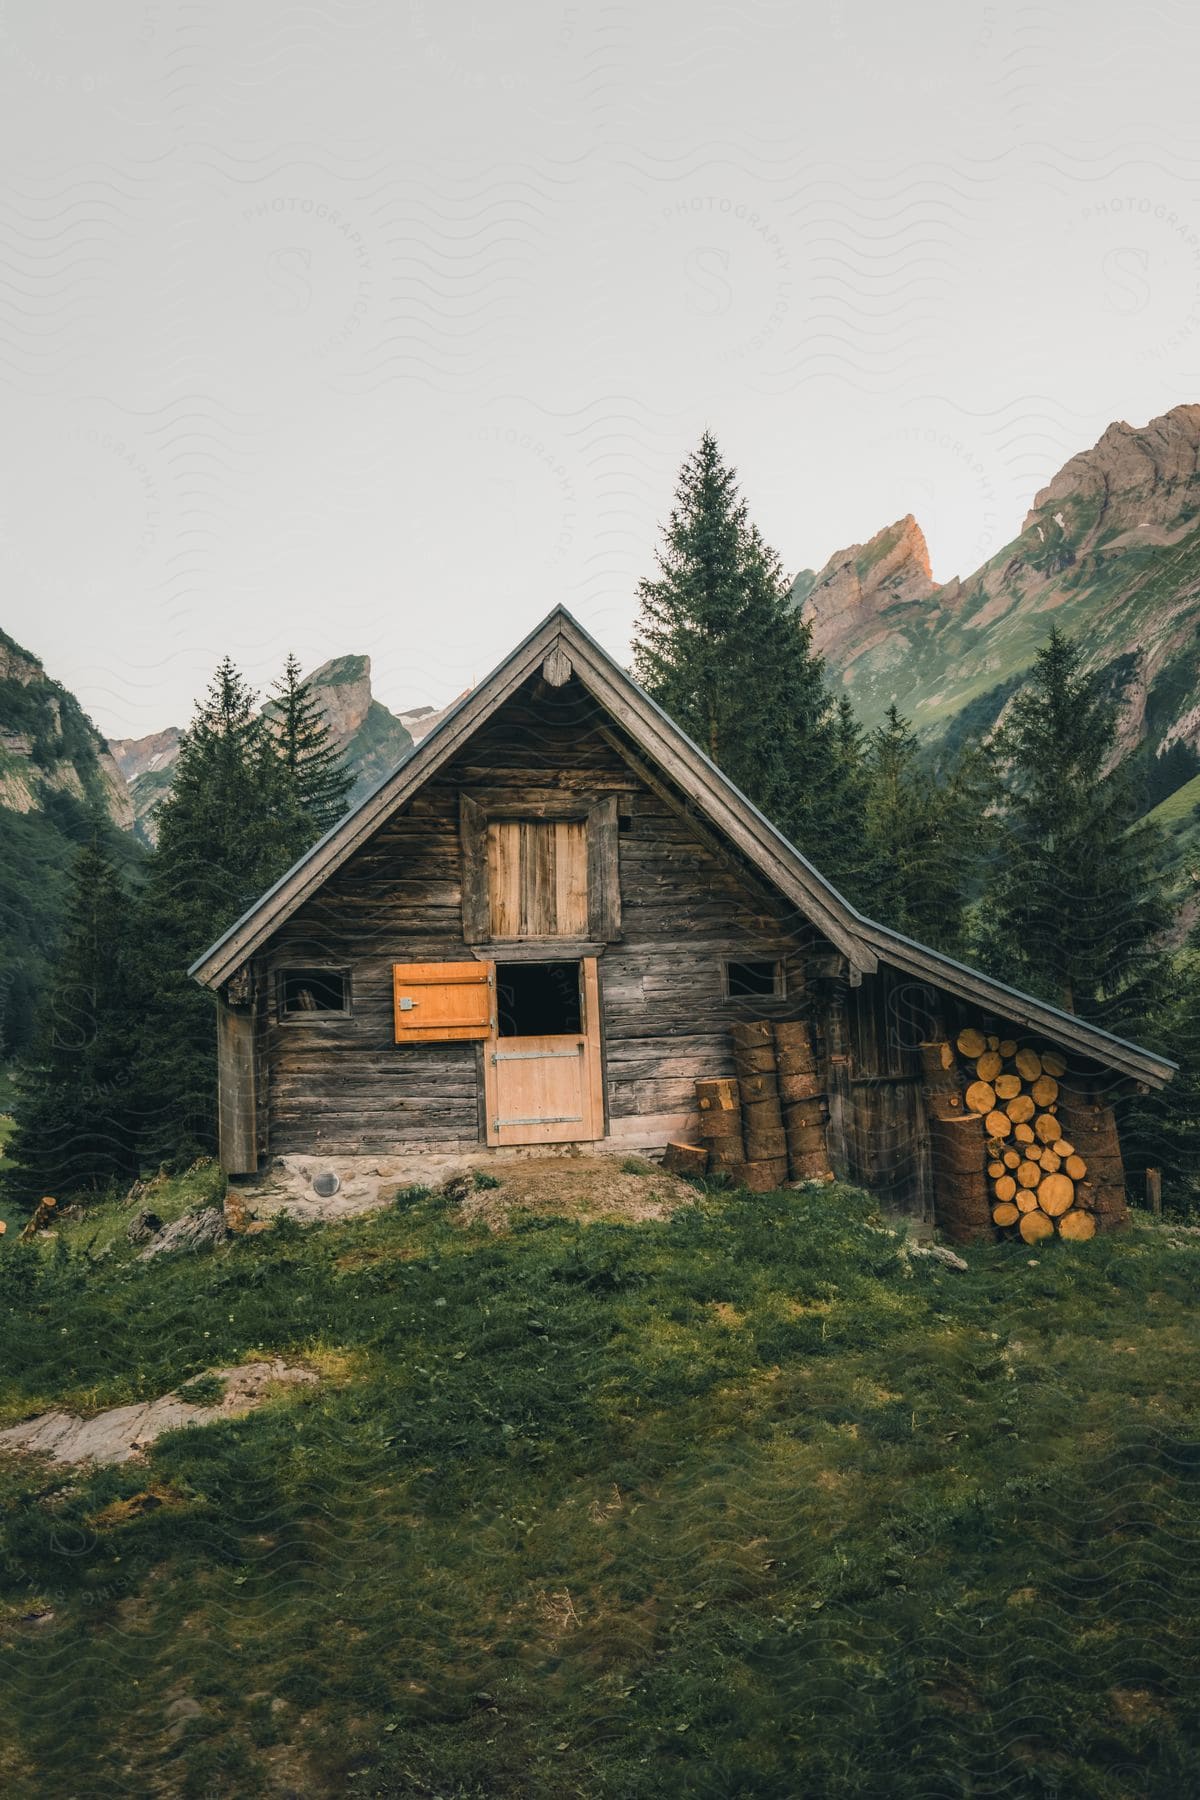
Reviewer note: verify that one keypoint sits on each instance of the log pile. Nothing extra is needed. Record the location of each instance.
(803, 1102)
(1091, 1127)
(768, 1123)
(754, 1058)
(1037, 1176)
(720, 1107)
(962, 1200)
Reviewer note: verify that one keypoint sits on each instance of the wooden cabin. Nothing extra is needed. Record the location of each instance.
(541, 928)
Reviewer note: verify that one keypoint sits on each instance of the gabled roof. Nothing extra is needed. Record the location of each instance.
(561, 647)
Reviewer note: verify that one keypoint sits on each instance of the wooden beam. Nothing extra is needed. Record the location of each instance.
(604, 880)
(237, 1112)
(472, 837)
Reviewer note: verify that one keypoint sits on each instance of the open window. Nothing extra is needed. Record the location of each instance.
(535, 999)
(309, 994)
(759, 979)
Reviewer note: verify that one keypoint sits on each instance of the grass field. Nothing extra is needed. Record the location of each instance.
(746, 1502)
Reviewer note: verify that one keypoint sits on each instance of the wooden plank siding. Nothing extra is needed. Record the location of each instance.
(885, 1138)
(342, 1085)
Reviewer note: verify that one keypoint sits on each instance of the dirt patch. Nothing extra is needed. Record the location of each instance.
(588, 1187)
(126, 1431)
(545, 1180)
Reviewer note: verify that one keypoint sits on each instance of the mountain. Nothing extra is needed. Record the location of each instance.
(372, 739)
(56, 773)
(1110, 551)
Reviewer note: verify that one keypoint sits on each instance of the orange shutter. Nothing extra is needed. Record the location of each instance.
(437, 1003)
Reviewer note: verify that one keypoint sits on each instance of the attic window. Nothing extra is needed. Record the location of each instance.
(755, 980)
(313, 993)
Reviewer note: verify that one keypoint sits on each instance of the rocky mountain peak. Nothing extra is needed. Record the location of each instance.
(847, 601)
(342, 687)
(1132, 477)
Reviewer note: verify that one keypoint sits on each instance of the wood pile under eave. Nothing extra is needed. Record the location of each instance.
(956, 1145)
(1038, 1177)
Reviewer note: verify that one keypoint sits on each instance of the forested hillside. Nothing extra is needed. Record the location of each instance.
(1109, 553)
(57, 777)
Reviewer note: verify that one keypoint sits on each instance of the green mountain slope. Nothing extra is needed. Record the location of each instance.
(1110, 551)
(55, 773)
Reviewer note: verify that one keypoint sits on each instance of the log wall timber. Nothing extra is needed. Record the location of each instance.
(341, 1084)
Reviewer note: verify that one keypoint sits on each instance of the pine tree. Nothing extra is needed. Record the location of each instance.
(226, 832)
(720, 647)
(1076, 906)
(921, 837)
(75, 1123)
(303, 742)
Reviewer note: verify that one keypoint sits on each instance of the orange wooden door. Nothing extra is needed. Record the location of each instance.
(548, 1089)
(437, 1003)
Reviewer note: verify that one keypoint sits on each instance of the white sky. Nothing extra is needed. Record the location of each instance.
(384, 325)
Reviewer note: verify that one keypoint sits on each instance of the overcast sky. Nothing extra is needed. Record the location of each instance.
(347, 325)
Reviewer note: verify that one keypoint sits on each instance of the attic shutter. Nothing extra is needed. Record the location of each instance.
(442, 1002)
(533, 870)
(537, 877)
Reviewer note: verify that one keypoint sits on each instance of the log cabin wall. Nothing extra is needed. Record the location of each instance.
(342, 1085)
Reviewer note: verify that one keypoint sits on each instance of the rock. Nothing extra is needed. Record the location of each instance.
(144, 1224)
(194, 1231)
(125, 1431)
(939, 1253)
(180, 1713)
(847, 600)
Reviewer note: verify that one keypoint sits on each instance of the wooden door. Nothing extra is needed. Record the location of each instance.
(548, 1089)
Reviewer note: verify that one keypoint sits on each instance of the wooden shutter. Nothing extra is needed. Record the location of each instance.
(537, 878)
(438, 1003)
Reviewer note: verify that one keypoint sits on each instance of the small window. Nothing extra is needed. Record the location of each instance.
(754, 980)
(313, 993)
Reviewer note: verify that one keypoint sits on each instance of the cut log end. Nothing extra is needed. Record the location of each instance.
(685, 1159)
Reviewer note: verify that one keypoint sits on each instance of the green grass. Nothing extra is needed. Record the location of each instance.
(742, 1503)
(1180, 807)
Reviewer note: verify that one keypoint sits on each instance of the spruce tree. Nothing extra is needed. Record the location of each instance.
(226, 832)
(720, 647)
(921, 837)
(1076, 905)
(75, 1122)
(319, 780)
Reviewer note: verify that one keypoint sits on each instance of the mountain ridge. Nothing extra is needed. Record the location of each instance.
(371, 739)
(1109, 549)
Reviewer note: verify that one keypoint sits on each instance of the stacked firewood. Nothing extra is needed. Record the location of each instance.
(802, 1098)
(956, 1144)
(1037, 1176)
(767, 1124)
